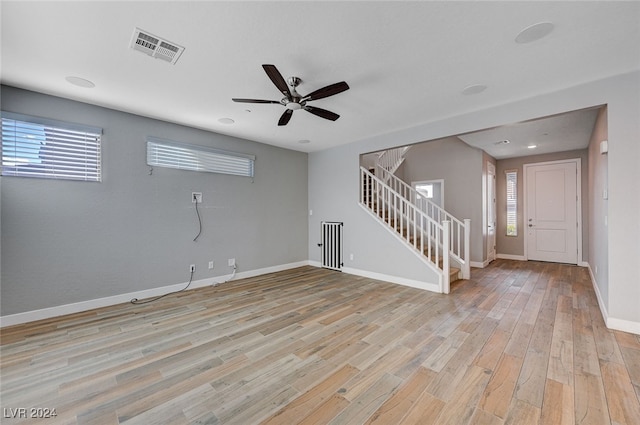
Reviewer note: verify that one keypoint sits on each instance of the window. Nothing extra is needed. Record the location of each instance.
(38, 147)
(165, 153)
(512, 203)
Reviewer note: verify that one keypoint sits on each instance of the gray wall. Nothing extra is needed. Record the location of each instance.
(598, 207)
(460, 166)
(514, 245)
(333, 196)
(333, 179)
(65, 242)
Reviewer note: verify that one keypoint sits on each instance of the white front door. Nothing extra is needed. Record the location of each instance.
(551, 212)
(491, 212)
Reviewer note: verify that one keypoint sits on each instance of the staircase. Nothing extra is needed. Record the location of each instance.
(391, 159)
(438, 238)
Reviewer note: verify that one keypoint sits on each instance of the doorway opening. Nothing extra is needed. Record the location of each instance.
(433, 190)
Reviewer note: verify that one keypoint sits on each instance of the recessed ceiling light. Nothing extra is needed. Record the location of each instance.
(474, 89)
(226, 121)
(80, 82)
(502, 142)
(534, 32)
(304, 141)
(532, 146)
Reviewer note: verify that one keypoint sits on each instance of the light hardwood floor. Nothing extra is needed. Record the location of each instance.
(519, 343)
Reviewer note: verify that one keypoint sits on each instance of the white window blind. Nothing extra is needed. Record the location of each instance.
(166, 153)
(39, 147)
(512, 203)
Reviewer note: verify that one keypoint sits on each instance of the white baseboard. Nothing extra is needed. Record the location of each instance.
(611, 322)
(47, 313)
(479, 264)
(511, 257)
(623, 325)
(433, 287)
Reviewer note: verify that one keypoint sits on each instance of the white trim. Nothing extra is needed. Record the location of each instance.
(511, 257)
(479, 264)
(47, 313)
(433, 287)
(491, 171)
(596, 289)
(623, 325)
(578, 162)
(612, 322)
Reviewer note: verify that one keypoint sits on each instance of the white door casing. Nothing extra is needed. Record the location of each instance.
(491, 212)
(552, 211)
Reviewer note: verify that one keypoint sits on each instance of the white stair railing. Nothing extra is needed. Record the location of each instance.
(460, 234)
(415, 227)
(391, 159)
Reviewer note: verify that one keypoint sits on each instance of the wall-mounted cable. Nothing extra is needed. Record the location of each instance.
(137, 301)
(230, 278)
(199, 223)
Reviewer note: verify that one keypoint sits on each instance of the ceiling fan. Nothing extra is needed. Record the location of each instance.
(293, 101)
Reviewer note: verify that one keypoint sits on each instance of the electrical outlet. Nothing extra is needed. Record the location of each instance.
(196, 197)
(231, 262)
(210, 265)
(192, 268)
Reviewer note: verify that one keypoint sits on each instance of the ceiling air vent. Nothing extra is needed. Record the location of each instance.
(156, 47)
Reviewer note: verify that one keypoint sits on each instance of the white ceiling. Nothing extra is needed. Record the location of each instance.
(563, 132)
(406, 62)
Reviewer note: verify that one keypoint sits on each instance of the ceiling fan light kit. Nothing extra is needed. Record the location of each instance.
(293, 101)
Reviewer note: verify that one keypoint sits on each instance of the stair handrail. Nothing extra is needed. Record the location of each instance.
(414, 226)
(460, 234)
(391, 159)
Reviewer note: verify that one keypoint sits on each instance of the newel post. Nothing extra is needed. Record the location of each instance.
(446, 230)
(466, 270)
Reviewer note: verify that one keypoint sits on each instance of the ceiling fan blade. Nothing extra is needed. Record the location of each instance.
(254, 101)
(284, 119)
(323, 113)
(277, 79)
(327, 91)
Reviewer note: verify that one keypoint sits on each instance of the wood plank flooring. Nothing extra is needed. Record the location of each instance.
(519, 343)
